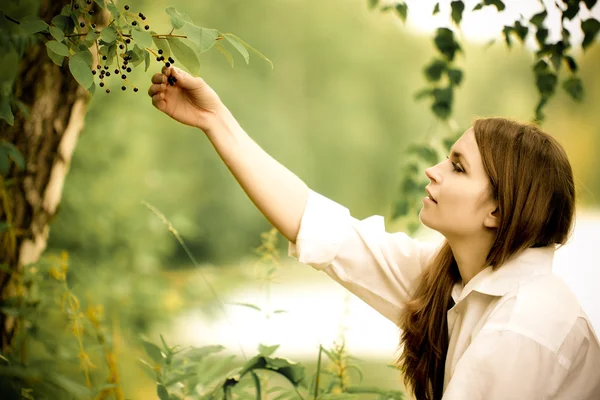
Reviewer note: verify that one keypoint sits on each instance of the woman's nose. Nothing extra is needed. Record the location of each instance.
(432, 174)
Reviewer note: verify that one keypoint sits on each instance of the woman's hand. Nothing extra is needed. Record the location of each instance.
(189, 100)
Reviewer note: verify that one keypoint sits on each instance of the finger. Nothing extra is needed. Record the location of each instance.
(159, 78)
(167, 71)
(158, 101)
(156, 88)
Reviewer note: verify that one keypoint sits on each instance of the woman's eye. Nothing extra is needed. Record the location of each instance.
(456, 166)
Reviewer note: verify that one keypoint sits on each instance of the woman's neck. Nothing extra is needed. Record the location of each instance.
(471, 254)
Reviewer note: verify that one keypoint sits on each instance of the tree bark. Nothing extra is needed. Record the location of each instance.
(29, 199)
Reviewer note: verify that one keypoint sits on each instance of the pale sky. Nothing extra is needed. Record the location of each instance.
(487, 23)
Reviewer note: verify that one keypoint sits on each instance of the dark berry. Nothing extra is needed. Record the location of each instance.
(126, 7)
(93, 26)
(76, 6)
(123, 87)
(106, 66)
(101, 84)
(127, 41)
(93, 72)
(108, 74)
(128, 69)
(88, 2)
(91, 12)
(98, 66)
(81, 24)
(116, 71)
(160, 51)
(162, 58)
(135, 89)
(167, 64)
(107, 90)
(157, 58)
(140, 15)
(143, 17)
(134, 23)
(171, 60)
(104, 58)
(121, 46)
(123, 76)
(147, 27)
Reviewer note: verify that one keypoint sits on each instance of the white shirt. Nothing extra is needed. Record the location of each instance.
(514, 333)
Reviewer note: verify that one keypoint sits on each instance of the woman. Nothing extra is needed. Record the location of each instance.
(482, 316)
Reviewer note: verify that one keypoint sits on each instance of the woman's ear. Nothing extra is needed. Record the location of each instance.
(492, 219)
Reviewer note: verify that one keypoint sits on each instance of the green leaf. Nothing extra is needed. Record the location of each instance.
(426, 153)
(434, 70)
(114, 10)
(571, 63)
(445, 43)
(62, 22)
(108, 34)
(257, 384)
(56, 59)
(590, 28)
(225, 52)
(142, 38)
(146, 61)
(92, 36)
(423, 93)
(32, 24)
(436, 9)
(178, 20)
(478, 7)
(162, 392)
(457, 11)
(100, 3)
(455, 75)
(571, 11)
(373, 3)
(521, 31)
(541, 35)
(198, 353)
(153, 352)
(252, 49)
(499, 4)
(204, 38)
(58, 48)
(574, 87)
(163, 45)
(238, 46)
(538, 19)
(590, 4)
(506, 32)
(185, 54)
(267, 350)
(81, 70)
(5, 111)
(57, 34)
(546, 83)
(442, 105)
(402, 11)
(9, 66)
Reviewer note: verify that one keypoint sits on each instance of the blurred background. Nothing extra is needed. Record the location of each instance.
(338, 110)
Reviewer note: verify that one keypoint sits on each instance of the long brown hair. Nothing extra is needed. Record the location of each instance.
(532, 181)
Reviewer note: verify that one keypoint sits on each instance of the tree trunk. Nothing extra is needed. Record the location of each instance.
(47, 139)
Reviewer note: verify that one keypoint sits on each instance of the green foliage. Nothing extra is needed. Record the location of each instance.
(9, 153)
(72, 35)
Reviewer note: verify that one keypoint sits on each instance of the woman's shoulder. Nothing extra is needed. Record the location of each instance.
(547, 310)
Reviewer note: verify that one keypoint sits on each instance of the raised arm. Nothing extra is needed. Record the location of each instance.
(280, 195)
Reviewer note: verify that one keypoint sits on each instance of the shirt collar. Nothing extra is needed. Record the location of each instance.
(528, 263)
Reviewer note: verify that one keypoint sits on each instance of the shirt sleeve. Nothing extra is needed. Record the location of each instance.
(380, 268)
(505, 365)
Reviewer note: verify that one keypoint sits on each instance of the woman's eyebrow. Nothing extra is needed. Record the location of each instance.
(459, 155)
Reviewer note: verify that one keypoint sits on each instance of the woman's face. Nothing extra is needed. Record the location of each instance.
(463, 205)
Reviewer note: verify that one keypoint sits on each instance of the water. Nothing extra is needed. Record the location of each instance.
(319, 310)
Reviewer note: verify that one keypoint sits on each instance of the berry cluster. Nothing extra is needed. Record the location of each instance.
(125, 39)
